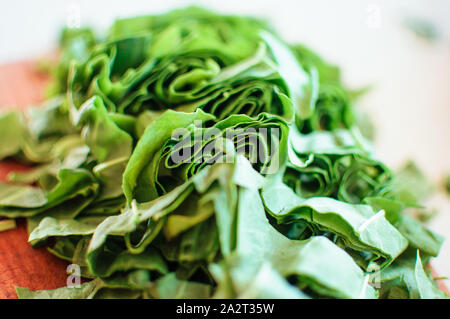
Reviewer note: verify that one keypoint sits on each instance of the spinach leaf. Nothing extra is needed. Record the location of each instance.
(195, 155)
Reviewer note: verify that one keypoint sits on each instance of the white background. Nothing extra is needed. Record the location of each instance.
(410, 102)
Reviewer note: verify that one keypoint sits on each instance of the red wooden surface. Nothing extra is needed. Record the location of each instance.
(20, 264)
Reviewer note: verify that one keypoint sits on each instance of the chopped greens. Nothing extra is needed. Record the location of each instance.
(7, 224)
(196, 155)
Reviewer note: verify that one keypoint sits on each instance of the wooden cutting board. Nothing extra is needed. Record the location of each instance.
(20, 264)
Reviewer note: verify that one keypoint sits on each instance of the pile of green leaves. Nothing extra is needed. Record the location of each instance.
(317, 216)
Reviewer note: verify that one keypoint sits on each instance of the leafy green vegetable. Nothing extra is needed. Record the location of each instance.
(422, 28)
(447, 184)
(333, 164)
(87, 290)
(427, 288)
(11, 134)
(196, 155)
(408, 278)
(357, 227)
(7, 224)
(323, 266)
